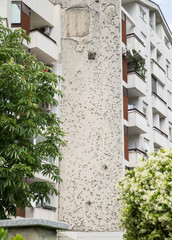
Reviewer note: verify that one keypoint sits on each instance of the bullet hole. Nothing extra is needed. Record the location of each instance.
(89, 203)
(105, 167)
(97, 1)
(91, 55)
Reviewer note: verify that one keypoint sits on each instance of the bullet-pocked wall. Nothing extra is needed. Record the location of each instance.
(91, 114)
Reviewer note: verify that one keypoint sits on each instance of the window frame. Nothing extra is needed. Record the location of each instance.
(16, 24)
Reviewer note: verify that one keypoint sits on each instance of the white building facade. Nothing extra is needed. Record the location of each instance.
(116, 60)
(148, 99)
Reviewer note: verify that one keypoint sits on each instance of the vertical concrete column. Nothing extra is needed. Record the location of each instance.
(91, 114)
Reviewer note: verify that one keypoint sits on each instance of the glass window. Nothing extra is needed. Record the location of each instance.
(169, 98)
(160, 90)
(143, 37)
(170, 131)
(154, 85)
(131, 106)
(142, 14)
(151, 23)
(167, 68)
(146, 143)
(167, 42)
(145, 108)
(16, 12)
(39, 139)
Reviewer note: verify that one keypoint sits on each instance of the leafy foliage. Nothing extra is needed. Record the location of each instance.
(26, 83)
(3, 235)
(138, 63)
(146, 197)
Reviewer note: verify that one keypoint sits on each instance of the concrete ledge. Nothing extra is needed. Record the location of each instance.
(31, 222)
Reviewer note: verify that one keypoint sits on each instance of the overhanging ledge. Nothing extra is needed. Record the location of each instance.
(33, 222)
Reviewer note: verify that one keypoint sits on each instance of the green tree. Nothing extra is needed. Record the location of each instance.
(26, 83)
(146, 198)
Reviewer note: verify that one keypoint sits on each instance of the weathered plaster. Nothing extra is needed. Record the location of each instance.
(91, 114)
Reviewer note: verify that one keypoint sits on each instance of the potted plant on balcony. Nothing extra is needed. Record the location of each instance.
(136, 63)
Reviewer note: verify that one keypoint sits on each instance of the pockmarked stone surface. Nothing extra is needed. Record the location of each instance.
(78, 22)
(91, 114)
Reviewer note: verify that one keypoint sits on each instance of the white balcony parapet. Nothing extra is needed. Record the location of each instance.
(136, 85)
(159, 104)
(157, 71)
(137, 44)
(44, 9)
(137, 122)
(134, 156)
(45, 48)
(159, 137)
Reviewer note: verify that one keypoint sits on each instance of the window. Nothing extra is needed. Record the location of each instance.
(145, 109)
(159, 57)
(143, 37)
(160, 89)
(123, 16)
(157, 87)
(151, 23)
(39, 139)
(170, 132)
(20, 15)
(47, 204)
(16, 12)
(167, 42)
(142, 14)
(131, 106)
(168, 69)
(169, 99)
(146, 145)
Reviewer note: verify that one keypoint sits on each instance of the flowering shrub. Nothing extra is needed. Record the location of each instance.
(146, 198)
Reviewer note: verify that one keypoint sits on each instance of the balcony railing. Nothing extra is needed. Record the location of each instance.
(137, 151)
(137, 122)
(135, 109)
(159, 137)
(136, 85)
(44, 47)
(157, 71)
(134, 155)
(161, 132)
(159, 104)
(137, 44)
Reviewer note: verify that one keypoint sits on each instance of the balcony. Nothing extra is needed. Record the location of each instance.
(136, 85)
(43, 47)
(159, 105)
(160, 138)
(136, 43)
(134, 156)
(137, 122)
(157, 71)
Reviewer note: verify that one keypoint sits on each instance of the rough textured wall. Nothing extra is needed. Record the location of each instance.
(91, 114)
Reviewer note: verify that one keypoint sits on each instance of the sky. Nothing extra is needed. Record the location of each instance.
(166, 8)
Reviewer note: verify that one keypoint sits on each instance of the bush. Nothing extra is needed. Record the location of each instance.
(146, 198)
(3, 235)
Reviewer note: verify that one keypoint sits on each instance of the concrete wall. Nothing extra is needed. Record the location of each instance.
(91, 114)
(32, 233)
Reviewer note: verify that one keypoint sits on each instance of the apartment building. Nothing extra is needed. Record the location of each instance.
(116, 59)
(147, 95)
(44, 29)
